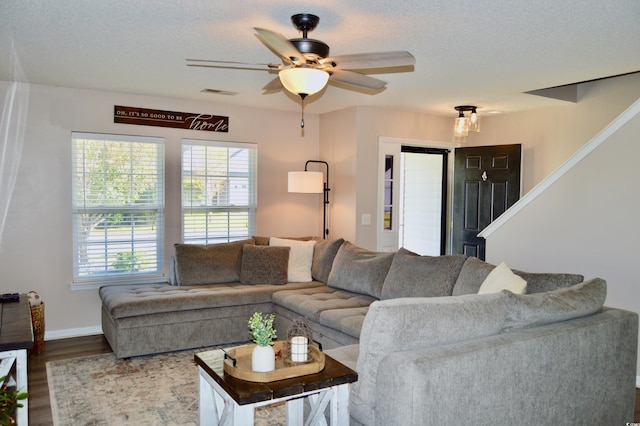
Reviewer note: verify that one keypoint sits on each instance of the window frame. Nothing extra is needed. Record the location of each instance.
(251, 206)
(156, 207)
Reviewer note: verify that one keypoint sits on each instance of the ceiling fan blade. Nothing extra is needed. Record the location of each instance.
(356, 79)
(231, 67)
(274, 84)
(373, 60)
(279, 45)
(207, 63)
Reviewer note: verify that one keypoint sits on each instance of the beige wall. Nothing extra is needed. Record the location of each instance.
(356, 131)
(36, 250)
(550, 136)
(338, 148)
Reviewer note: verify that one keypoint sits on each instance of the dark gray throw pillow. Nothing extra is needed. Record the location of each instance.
(359, 270)
(264, 264)
(412, 275)
(208, 264)
(323, 255)
(528, 310)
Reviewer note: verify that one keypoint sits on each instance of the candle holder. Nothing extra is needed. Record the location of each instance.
(299, 336)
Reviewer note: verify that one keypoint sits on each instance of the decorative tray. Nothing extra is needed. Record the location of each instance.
(285, 369)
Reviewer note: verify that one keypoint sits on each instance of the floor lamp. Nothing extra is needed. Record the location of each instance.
(308, 182)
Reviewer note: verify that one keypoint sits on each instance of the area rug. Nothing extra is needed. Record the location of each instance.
(152, 390)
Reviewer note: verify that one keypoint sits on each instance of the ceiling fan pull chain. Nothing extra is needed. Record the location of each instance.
(302, 96)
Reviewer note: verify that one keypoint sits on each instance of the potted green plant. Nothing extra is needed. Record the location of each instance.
(261, 329)
(9, 403)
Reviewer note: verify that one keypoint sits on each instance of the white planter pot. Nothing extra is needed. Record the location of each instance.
(263, 359)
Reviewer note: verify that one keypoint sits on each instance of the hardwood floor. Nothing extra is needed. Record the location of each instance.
(39, 404)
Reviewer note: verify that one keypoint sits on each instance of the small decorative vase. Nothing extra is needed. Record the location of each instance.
(263, 359)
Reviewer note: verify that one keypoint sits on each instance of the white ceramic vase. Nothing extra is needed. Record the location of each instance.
(263, 359)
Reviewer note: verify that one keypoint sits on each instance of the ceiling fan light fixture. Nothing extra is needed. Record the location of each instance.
(303, 81)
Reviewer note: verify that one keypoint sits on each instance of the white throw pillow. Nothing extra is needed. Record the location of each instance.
(501, 278)
(300, 258)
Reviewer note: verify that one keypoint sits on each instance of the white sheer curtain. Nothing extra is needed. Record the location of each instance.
(12, 127)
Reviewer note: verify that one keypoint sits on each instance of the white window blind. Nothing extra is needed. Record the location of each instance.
(219, 191)
(118, 208)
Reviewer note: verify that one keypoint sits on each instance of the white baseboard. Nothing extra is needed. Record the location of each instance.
(72, 332)
(638, 381)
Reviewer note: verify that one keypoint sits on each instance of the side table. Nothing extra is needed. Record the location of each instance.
(16, 337)
(225, 400)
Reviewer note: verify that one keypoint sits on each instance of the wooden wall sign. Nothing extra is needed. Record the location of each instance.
(178, 120)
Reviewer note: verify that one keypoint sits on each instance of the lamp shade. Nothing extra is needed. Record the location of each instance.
(306, 182)
(303, 80)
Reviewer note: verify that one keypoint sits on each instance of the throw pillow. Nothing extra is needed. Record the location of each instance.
(323, 254)
(208, 264)
(526, 310)
(264, 264)
(539, 282)
(473, 273)
(300, 258)
(501, 278)
(359, 270)
(412, 275)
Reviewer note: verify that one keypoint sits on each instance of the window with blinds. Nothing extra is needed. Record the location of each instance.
(118, 208)
(219, 191)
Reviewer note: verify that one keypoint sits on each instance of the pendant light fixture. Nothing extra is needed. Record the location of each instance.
(463, 125)
(303, 81)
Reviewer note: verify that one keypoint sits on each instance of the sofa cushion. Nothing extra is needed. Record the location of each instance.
(347, 320)
(312, 302)
(502, 278)
(407, 324)
(323, 254)
(300, 258)
(359, 270)
(264, 264)
(124, 301)
(412, 275)
(527, 310)
(208, 264)
(475, 271)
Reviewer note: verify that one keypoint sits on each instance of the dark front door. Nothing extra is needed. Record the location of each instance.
(486, 182)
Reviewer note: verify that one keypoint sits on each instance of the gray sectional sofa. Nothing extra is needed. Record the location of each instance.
(433, 339)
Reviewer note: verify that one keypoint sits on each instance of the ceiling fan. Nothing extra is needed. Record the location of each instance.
(307, 67)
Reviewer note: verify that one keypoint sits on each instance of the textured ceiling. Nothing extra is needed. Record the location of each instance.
(483, 52)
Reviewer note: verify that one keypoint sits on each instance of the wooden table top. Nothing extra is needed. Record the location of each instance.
(15, 325)
(244, 392)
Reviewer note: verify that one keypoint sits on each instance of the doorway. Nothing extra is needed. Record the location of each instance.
(423, 199)
(483, 197)
(486, 184)
(410, 167)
